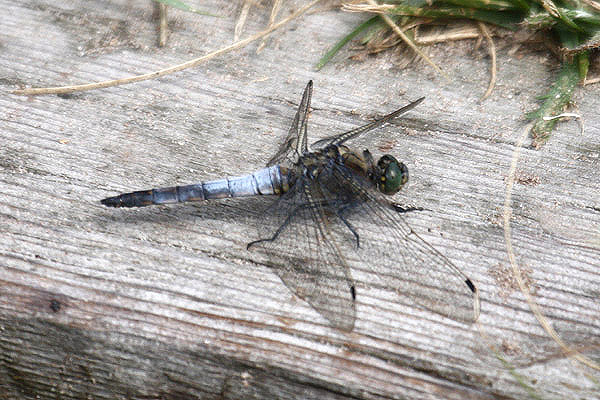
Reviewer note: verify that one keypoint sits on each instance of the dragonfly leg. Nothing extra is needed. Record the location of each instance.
(280, 229)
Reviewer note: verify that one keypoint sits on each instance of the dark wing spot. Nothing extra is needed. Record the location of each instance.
(470, 285)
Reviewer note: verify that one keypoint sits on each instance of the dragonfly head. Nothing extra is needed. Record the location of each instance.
(390, 175)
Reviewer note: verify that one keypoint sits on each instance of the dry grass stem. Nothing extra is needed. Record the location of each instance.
(274, 11)
(447, 35)
(371, 7)
(507, 214)
(239, 26)
(569, 115)
(591, 81)
(166, 71)
(162, 16)
(409, 42)
(551, 8)
(492, 51)
(592, 3)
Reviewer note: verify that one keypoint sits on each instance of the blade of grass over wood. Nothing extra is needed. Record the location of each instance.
(558, 97)
(583, 63)
(336, 48)
(372, 32)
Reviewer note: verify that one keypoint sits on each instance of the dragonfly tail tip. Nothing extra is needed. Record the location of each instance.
(110, 202)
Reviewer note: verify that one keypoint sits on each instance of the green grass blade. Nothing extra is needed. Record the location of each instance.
(583, 63)
(566, 19)
(567, 38)
(555, 100)
(496, 5)
(505, 19)
(329, 55)
(583, 16)
(593, 42)
(521, 4)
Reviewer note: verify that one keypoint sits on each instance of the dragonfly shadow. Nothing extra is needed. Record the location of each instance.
(245, 211)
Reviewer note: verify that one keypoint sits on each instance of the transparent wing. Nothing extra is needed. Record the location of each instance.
(399, 257)
(295, 142)
(341, 138)
(303, 249)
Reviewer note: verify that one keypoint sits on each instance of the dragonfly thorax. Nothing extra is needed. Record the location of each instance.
(388, 175)
(311, 165)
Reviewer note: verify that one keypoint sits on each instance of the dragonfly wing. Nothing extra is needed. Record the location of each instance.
(303, 250)
(342, 137)
(402, 260)
(295, 142)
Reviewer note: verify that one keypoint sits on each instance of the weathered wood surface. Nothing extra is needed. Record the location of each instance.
(165, 302)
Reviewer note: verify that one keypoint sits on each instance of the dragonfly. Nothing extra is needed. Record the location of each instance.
(330, 211)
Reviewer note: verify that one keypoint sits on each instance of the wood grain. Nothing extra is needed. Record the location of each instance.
(165, 302)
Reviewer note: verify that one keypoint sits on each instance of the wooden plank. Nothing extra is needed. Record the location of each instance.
(165, 302)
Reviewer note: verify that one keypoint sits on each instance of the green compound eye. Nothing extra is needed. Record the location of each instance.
(392, 175)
